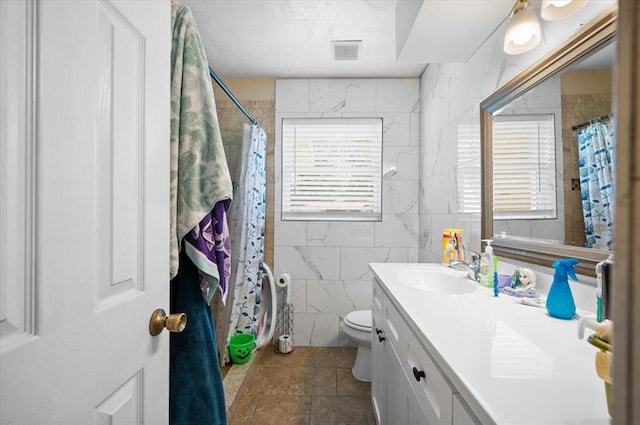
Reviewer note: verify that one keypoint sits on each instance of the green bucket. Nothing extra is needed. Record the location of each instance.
(241, 348)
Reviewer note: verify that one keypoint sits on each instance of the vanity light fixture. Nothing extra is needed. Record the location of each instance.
(552, 10)
(523, 29)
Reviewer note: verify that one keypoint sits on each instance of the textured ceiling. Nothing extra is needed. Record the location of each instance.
(292, 38)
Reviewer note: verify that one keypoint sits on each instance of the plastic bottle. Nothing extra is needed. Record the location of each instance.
(487, 265)
(560, 303)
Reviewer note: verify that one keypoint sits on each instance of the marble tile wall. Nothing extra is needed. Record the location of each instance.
(328, 261)
(450, 95)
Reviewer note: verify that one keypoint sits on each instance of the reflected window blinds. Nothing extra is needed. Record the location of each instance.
(524, 167)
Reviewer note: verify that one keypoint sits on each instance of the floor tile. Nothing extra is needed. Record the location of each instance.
(282, 410)
(305, 381)
(347, 385)
(341, 411)
(242, 410)
(266, 380)
(335, 356)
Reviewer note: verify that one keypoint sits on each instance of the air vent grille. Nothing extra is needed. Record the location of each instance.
(346, 50)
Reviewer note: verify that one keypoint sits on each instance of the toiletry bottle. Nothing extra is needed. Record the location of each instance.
(487, 265)
(496, 288)
(560, 302)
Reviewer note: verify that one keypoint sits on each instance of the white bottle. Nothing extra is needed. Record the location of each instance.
(486, 265)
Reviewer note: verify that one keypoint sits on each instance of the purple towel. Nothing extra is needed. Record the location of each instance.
(209, 247)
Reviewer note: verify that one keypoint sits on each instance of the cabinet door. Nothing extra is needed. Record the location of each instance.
(397, 388)
(403, 406)
(378, 384)
(461, 413)
(433, 390)
(415, 413)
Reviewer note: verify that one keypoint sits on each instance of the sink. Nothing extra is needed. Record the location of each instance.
(434, 278)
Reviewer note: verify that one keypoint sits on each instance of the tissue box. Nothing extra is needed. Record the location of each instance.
(452, 246)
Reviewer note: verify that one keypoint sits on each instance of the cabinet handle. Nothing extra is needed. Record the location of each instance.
(418, 374)
(378, 331)
(381, 338)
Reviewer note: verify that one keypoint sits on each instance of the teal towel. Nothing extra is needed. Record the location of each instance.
(196, 394)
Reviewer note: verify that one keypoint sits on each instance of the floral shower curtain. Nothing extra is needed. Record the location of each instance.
(596, 161)
(247, 233)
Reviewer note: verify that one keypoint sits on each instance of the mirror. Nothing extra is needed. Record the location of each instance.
(547, 98)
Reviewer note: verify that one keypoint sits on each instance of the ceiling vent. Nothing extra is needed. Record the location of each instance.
(346, 50)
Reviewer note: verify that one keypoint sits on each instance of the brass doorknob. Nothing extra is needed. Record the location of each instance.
(173, 322)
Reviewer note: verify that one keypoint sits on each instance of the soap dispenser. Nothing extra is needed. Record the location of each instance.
(487, 265)
(560, 303)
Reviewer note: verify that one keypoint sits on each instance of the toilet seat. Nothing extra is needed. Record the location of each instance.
(360, 320)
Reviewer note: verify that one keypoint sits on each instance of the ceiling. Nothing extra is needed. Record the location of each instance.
(292, 38)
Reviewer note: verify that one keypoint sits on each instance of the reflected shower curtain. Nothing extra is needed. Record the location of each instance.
(247, 232)
(597, 174)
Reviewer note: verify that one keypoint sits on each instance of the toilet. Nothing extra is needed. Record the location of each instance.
(357, 326)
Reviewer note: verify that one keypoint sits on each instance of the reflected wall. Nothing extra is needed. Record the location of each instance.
(450, 97)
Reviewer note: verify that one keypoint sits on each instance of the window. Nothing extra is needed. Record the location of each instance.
(469, 168)
(524, 167)
(332, 169)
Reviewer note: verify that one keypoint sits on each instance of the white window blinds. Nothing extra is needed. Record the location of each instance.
(469, 168)
(524, 167)
(332, 169)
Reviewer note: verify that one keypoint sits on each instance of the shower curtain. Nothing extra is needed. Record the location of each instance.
(597, 174)
(247, 221)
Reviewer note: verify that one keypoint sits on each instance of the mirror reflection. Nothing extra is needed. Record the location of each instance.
(553, 156)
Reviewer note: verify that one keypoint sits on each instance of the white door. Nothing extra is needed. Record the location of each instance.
(84, 211)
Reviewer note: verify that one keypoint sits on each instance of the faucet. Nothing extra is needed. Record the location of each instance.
(473, 266)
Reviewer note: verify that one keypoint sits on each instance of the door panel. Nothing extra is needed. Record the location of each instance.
(17, 171)
(101, 215)
(119, 148)
(124, 406)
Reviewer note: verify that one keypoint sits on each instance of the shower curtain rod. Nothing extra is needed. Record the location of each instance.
(224, 88)
(584, 124)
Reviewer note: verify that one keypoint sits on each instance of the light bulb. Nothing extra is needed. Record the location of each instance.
(522, 33)
(560, 3)
(552, 10)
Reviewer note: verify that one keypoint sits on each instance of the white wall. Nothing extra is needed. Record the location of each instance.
(328, 261)
(450, 95)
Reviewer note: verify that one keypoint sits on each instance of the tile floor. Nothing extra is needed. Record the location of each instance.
(309, 386)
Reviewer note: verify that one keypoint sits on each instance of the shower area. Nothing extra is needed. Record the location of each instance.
(257, 99)
(219, 228)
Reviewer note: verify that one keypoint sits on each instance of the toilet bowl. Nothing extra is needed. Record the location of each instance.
(357, 326)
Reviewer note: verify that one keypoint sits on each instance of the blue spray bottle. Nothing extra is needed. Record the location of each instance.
(560, 302)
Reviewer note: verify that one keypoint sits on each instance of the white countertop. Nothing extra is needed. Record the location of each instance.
(512, 363)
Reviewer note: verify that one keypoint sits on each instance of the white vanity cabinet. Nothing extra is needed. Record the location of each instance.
(407, 387)
(443, 355)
